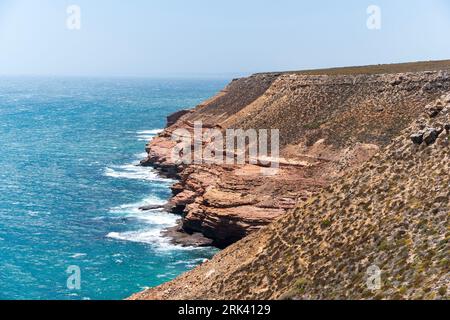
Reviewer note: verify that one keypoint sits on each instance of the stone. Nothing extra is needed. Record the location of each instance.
(430, 136)
(428, 87)
(417, 138)
(447, 128)
(179, 237)
(434, 110)
(151, 207)
(397, 81)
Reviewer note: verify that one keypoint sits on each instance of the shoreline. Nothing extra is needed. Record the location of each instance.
(330, 126)
(176, 235)
(226, 203)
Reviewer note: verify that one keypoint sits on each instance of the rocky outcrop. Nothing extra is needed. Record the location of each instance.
(173, 118)
(329, 124)
(390, 215)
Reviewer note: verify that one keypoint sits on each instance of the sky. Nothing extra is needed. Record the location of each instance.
(210, 37)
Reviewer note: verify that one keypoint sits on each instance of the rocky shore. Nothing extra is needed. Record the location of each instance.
(390, 215)
(363, 186)
(329, 125)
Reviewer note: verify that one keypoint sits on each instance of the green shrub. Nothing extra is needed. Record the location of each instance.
(300, 285)
(325, 224)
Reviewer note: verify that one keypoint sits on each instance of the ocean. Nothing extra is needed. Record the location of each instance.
(70, 188)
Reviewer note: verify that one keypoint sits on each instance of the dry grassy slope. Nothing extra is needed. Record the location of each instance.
(392, 212)
(343, 110)
(344, 106)
(377, 69)
(238, 94)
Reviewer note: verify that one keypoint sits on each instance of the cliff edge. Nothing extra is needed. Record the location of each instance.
(330, 121)
(388, 218)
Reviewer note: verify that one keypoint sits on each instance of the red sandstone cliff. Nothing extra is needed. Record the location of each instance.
(330, 122)
(391, 214)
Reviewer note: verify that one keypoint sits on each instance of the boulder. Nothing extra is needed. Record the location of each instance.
(430, 136)
(417, 138)
(180, 237)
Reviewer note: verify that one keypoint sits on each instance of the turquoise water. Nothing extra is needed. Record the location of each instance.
(70, 190)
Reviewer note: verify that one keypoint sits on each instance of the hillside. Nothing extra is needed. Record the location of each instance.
(391, 211)
(329, 124)
(407, 67)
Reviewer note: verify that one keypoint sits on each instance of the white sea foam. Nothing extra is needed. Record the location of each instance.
(141, 155)
(145, 135)
(156, 217)
(192, 263)
(154, 221)
(153, 132)
(134, 207)
(149, 236)
(163, 219)
(135, 172)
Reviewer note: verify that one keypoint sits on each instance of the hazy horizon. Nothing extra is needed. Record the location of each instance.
(157, 39)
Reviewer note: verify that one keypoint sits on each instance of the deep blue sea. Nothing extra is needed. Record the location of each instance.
(70, 188)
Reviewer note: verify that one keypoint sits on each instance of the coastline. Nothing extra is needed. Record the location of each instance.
(353, 118)
(222, 204)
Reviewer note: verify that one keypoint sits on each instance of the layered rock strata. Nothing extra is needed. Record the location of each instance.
(329, 125)
(387, 219)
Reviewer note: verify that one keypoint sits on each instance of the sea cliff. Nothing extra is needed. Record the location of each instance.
(378, 232)
(330, 123)
(362, 188)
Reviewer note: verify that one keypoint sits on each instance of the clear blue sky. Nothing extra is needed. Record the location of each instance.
(201, 37)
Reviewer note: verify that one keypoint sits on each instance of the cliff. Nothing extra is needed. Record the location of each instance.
(331, 121)
(391, 213)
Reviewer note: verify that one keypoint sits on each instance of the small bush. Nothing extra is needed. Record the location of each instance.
(325, 224)
(300, 285)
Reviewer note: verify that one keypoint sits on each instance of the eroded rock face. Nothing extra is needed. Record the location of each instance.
(328, 125)
(173, 118)
(392, 213)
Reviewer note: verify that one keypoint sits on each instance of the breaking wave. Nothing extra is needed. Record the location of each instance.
(134, 171)
(156, 217)
(145, 135)
(143, 236)
(153, 221)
